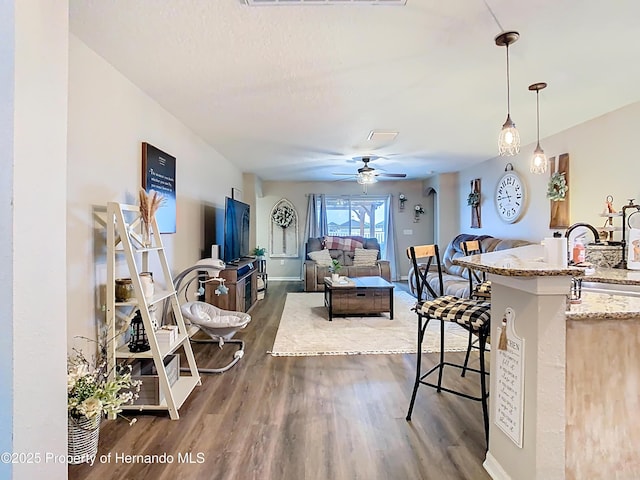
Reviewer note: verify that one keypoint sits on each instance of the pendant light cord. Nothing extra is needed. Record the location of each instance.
(508, 85)
(538, 113)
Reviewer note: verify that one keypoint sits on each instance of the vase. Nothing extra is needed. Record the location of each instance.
(146, 234)
(82, 443)
(146, 280)
(335, 277)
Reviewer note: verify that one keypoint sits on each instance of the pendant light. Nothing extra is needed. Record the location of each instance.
(539, 159)
(509, 139)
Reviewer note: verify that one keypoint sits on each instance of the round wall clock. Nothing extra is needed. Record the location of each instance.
(510, 196)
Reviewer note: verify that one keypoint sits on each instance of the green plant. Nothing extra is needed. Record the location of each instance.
(335, 265)
(557, 187)
(473, 200)
(259, 251)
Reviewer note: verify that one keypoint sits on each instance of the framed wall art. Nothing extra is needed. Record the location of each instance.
(159, 175)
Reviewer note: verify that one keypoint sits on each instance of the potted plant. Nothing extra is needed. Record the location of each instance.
(93, 392)
(259, 252)
(335, 269)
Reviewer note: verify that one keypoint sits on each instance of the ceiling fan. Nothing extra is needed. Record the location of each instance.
(367, 175)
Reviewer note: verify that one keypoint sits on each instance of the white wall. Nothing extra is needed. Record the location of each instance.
(444, 190)
(109, 118)
(602, 155)
(295, 192)
(7, 43)
(37, 233)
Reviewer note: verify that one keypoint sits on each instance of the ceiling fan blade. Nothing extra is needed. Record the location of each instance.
(395, 175)
(349, 174)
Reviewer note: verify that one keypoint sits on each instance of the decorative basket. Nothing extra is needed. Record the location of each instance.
(82, 438)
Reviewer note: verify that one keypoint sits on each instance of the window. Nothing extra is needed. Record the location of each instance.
(361, 215)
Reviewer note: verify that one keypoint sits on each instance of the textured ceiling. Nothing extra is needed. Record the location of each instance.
(291, 92)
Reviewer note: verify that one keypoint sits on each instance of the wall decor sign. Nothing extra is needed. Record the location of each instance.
(284, 230)
(159, 175)
(473, 200)
(558, 191)
(509, 398)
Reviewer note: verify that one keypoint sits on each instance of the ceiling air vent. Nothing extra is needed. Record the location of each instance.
(254, 3)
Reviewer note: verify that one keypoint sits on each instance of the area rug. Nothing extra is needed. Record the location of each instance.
(305, 330)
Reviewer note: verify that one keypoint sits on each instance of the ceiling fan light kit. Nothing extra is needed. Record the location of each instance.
(368, 175)
(366, 178)
(509, 139)
(539, 159)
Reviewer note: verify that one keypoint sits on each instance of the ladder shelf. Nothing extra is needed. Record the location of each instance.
(125, 238)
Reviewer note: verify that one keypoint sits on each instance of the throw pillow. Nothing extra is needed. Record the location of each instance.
(365, 257)
(321, 257)
(348, 244)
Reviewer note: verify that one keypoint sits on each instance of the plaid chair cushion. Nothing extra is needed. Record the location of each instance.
(468, 313)
(483, 288)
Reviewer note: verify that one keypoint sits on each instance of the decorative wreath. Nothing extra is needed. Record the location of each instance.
(473, 200)
(283, 216)
(557, 187)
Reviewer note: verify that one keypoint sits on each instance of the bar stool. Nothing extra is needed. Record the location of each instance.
(479, 289)
(479, 286)
(474, 315)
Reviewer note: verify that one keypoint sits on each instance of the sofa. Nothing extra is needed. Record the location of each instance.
(456, 278)
(342, 249)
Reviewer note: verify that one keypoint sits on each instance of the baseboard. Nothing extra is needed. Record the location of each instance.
(404, 278)
(494, 469)
(285, 279)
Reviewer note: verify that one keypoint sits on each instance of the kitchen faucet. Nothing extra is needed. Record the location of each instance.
(596, 235)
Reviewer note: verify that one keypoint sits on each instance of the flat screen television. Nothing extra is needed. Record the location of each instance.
(236, 230)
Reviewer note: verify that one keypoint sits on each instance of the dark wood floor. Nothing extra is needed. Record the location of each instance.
(294, 418)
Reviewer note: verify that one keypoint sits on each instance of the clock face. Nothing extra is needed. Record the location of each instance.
(510, 197)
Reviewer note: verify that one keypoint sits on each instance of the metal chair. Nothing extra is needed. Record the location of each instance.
(479, 289)
(473, 315)
(479, 286)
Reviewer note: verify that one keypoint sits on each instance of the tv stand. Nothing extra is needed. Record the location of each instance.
(242, 282)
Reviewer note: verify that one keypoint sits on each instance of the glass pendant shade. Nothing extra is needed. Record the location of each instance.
(509, 139)
(366, 178)
(538, 161)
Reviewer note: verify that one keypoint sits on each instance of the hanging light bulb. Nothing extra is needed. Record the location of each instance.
(539, 159)
(509, 139)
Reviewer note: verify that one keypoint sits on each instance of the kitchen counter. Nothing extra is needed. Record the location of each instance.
(601, 306)
(615, 275)
(562, 357)
(527, 261)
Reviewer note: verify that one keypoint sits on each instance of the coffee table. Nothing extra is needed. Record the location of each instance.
(362, 295)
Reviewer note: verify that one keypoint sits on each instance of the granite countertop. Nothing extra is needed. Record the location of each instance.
(614, 275)
(524, 261)
(602, 306)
